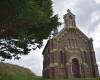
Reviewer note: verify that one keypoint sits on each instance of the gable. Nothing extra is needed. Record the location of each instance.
(65, 33)
(72, 37)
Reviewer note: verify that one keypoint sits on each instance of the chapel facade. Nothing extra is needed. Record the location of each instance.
(70, 54)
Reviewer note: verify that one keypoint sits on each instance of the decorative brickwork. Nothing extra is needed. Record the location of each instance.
(70, 53)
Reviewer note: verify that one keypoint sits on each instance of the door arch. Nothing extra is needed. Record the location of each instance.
(75, 68)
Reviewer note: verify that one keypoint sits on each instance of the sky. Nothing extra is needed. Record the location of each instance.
(88, 21)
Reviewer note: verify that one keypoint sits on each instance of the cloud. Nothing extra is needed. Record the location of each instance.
(88, 20)
(98, 66)
(97, 1)
(85, 10)
(60, 7)
(96, 36)
(97, 52)
(32, 61)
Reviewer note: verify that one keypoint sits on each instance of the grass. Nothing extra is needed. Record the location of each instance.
(22, 77)
(14, 72)
(17, 77)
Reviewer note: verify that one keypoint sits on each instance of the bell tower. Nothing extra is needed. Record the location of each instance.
(69, 19)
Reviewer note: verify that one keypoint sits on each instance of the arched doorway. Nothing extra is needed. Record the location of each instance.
(75, 68)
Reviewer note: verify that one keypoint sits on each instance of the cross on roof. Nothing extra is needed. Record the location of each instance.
(68, 10)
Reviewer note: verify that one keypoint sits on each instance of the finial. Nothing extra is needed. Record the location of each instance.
(69, 19)
(68, 10)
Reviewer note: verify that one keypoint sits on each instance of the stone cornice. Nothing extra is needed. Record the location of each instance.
(53, 65)
(53, 50)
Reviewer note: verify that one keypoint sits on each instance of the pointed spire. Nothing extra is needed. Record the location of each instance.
(69, 19)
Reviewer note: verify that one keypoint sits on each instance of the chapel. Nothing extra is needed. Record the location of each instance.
(70, 53)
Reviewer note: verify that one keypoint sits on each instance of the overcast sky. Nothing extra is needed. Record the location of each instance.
(88, 21)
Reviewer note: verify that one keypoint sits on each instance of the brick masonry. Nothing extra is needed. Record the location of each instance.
(70, 53)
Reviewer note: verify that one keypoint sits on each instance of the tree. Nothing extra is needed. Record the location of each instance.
(24, 23)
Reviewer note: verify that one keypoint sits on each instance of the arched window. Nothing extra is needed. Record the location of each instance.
(86, 57)
(48, 60)
(76, 43)
(52, 57)
(75, 68)
(70, 17)
(63, 60)
(70, 20)
(62, 57)
(72, 43)
(69, 44)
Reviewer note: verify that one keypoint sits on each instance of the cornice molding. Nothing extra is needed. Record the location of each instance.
(53, 50)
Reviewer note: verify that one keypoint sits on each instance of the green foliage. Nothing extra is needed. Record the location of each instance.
(28, 21)
(9, 9)
(31, 17)
(14, 72)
